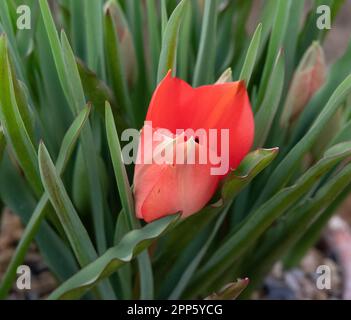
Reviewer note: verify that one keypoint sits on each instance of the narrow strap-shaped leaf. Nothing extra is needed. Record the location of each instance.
(259, 220)
(55, 47)
(114, 60)
(231, 291)
(154, 39)
(164, 15)
(2, 142)
(94, 42)
(205, 62)
(38, 215)
(169, 41)
(13, 123)
(70, 81)
(76, 233)
(251, 56)
(119, 168)
(184, 45)
(190, 270)
(74, 229)
(130, 246)
(236, 181)
(88, 146)
(286, 167)
(267, 111)
(312, 235)
(5, 19)
(296, 223)
(18, 196)
(144, 264)
(275, 43)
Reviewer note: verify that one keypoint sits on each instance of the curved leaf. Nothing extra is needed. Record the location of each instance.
(13, 124)
(169, 41)
(260, 219)
(205, 61)
(249, 168)
(286, 167)
(74, 228)
(295, 224)
(267, 110)
(231, 291)
(33, 225)
(2, 142)
(130, 246)
(251, 56)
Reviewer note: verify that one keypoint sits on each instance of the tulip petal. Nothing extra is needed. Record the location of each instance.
(176, 105)
(164, 189)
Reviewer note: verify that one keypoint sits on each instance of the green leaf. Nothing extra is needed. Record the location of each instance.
(314, 231)
(249, 168)
(9, 29)
(251, 56)
(164, 15)
(70, 81)
(343, 135)
(119, 168)
(286, 167)
(205, 62)
(154, 39)
(89, 151)
(130, 246)
(97, 91)
(38, 215)
(2, 142)
(56, 48)
(236, 181)
(21, 93)
(169, 41)
(296, 223)
(276, 41)
(231, 291)
(71, 71)
(19, 198)
(114, 59)
(184, 45)
(93, 31)
(126, 197)
(13, 124)
(267, 111)
(189, 271)
(260, 219)
(74, 229)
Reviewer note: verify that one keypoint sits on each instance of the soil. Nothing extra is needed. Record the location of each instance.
(42, 282)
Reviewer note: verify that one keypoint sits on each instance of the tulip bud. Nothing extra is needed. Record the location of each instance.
(308, 78)
(127, 49)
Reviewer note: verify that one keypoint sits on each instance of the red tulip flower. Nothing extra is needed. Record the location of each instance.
(161, 189)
